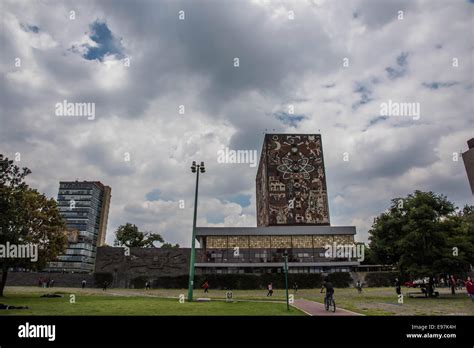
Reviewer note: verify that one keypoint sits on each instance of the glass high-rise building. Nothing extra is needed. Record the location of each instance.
(84, 206)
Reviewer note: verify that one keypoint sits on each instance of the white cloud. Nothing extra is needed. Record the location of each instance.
(283, 62)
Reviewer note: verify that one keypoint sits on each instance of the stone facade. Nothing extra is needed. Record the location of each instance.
(142, 262)
(291, 181)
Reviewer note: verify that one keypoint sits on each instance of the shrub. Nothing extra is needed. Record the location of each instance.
(375, 279)
(236, 281)
(139, 282)
(100, 278)
(340, 279)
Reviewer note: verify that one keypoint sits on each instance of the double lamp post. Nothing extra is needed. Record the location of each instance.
(199, 168)
(195, 168)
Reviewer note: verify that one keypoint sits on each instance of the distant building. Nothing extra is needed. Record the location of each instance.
(84, 205)
(468, 158)
(292, 217)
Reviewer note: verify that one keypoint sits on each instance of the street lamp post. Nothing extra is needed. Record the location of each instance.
(286, 280)
(195, 168)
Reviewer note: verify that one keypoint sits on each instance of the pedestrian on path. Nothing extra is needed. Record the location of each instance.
(270, 289)
(470, 287)
(206, 287)
(452, 283)
(398, 286)
(359, 286)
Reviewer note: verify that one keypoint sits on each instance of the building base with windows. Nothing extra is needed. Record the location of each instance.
(261, 249)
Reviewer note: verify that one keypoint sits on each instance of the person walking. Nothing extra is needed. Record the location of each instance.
(295, 287)
(431, 286)
(106, 284)
(83, 284)
(452, 283)
(147, 285)
(206, 287)
(470, 287)
(359, 286)
(398, 286)
(270, 289)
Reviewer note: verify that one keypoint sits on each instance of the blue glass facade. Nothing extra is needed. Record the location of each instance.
(84, 207)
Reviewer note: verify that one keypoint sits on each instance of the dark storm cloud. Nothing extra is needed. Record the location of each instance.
(377, 13)
(102, 156)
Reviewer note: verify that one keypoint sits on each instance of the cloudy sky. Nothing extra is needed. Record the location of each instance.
(333, 62)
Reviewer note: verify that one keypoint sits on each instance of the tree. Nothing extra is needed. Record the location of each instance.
(28, 217)
(169, 246)
(128, 235)
(369, 258)
(423, 235)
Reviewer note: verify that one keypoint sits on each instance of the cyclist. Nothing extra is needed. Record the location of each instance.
(329, 291)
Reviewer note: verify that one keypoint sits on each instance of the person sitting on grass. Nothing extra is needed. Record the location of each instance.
(4, 306)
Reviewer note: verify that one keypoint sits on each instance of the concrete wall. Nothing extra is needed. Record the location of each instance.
(142, 262)
(69, 280)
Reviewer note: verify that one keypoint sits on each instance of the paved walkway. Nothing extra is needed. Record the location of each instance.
(317, 309)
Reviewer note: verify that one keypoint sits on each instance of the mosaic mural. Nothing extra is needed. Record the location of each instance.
(291, 181)
(294, 241)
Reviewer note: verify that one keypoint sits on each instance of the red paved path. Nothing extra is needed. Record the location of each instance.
(315, 308)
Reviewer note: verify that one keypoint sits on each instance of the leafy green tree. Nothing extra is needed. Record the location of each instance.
(27, 217)
(128, 235)
(170, 246)
(369, 258)
(423, 234)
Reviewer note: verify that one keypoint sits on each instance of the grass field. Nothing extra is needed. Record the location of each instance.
(372, 301)
(123, 302)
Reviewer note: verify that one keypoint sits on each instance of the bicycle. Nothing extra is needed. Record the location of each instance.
(329, 303)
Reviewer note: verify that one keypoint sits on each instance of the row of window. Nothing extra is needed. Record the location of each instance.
(206, 270)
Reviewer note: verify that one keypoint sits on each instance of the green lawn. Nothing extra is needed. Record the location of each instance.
(384, 301)
(372, 301)
(94, 302)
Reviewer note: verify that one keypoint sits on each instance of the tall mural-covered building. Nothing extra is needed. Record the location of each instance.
(292, 217)
(291, 181)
